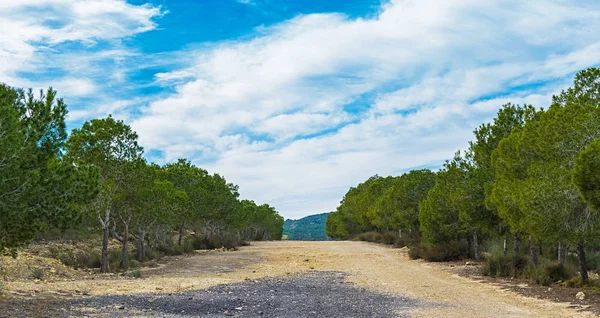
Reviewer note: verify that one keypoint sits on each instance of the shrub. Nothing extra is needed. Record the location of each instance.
(227, 240)
(137, 273)
(370, 237)
(574, 282)
(133, 263)
(450, 251)
(505, 266)
(593, 260)
(538, 275)
(416, 251)
(90, 259)
(400, 242)
(557, 272)
(38, 273)
(188, 245)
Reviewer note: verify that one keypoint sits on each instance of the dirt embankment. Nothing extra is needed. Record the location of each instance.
(374, 267)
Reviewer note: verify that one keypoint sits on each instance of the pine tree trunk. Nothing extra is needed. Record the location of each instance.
(561, 259)
(532, 252)
(582, 263)
(104, 261)
(476, 246)
(180, 233)
(140, 246)
(516, 244)
(469, 246)
(506, 245)
(124, 248)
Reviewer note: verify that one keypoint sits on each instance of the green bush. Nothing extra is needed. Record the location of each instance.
(557, 272)
(133, 263)
(226, 240)
(594, 261)
(400, 242)
(38, 273)
(498, 265)
(370, 237)
(136, 273)
(76, 258)
(377, 237)
(188, 245)
(538, 275)
(450, 251)
(416, 251)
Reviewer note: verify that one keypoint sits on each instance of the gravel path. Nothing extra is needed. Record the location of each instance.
(313, 294)
(380, 282)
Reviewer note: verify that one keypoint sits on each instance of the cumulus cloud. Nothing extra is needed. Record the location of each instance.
(73, 45)
(301, 110)
(318, 103)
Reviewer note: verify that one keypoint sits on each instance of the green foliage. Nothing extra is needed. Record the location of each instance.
(443, 252)
(38, 190)
(439, 213)
(586, 174)
(76, 258)
(310, 228)
(136, 273)
(499, 265)
(38, 273)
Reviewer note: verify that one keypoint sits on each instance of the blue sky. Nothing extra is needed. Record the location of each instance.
(296, 101)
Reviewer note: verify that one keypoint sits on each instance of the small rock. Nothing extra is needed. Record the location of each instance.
(227, 313)
(260, 312)
(580, 295)
(122, 307)
(549, 288)
(238, 308)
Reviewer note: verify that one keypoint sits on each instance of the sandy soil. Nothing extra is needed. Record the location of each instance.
(375, 267)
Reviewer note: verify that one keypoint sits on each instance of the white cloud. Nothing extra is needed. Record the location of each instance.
(32, 31)
(298, 78)
(313, 105)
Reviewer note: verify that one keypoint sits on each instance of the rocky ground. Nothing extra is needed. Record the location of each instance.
(312, 294)
(287, 279)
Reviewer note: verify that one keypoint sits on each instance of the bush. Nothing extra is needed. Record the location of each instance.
(76, 258)
(594, 261)
(38, 273)
(538, 275)
(133, 263)
(400, 242)
(376, 237)
(137, 273)
(451, 251)
(226, 240)
(188, 245)
(370, 237)
(556, 272)
(416, 251)
(498, 265)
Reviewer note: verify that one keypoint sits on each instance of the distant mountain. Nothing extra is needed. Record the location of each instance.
(310, 228)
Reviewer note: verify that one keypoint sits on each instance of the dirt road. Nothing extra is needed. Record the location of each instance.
(431, 290)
